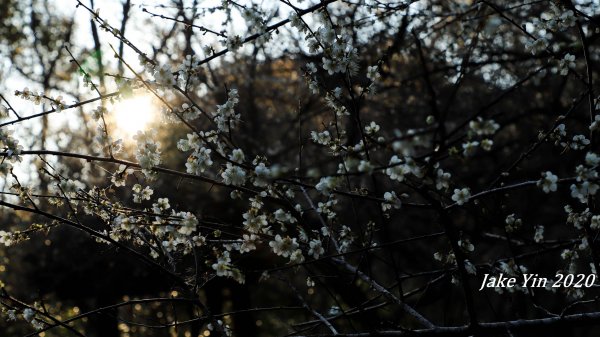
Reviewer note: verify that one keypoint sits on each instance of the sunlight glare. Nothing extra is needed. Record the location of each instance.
(134, 114)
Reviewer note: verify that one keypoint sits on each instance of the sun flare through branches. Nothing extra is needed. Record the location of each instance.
(133, 114)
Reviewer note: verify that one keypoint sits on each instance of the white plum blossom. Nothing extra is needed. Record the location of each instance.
(148, 150)
(566, 63)
(585, 173)
(558, 18)
(225, 116)
(297, 256)
(164, 75)
(296, 22)
(327, 184)
(340, 55)
(595, 222)
(582, 190)
(373, 73)
(28, 314)
(486, 144)
(579, 142)
(374, 76)
(255, 223)
(345, 238)
(70, 187)
(595, 124)
(323, 138)
(336, 105)
(372, 128)
(461, 196)
(412, 167)
(199, 161)
(578, 220)
(124, 223)
(512, 223)
(13, 149)
(558, 134)
(365, 166)
(396, 171)
(483, 127)
(326, 208)
(99, 112)
(337, 92)
(11, 315)
(442, 179)
(199, 240)
(189, 113)
(140, 194)
(568, 254)
(191, 142)
(539, 234)
(6, 238)
(537, 46)
(316, 248)
(548, 182)
(586, 179)
(249, 243)
(584, 244)
(222, 266)
(592, 159)
(256, 23)
(188, 223)
(234, 175)
(469, 148)
(5, 168)
(262, 175)
(430, 119)
(392, 200)
(283, 246)
(233, 42)
(237, 155)
(162, 204)
(283, 216)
